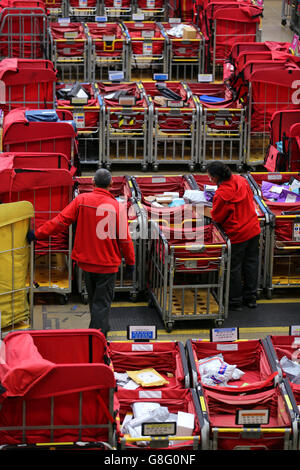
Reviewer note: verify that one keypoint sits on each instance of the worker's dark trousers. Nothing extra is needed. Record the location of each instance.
(244, 272)
(100, 289)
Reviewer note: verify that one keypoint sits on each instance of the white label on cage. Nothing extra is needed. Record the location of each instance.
(190, 264)
(66, 50)
(150, 3)
(224, 334)
(227, 347)
(296, 232)
(70, 34)
(148, 34)
(79, 119)
(274, 176)
(117, 3)
(251, 417)
(2, 92)
(150, 394)
(158, 180)
(142, 347)
(205, 77)
(82, 3)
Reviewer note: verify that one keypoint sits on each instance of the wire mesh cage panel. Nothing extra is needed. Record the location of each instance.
(148, 49)
(117, 9)
(283, 264)
(109, 50)
(69, 50)
(221, 124)
(125, 115)
(86, 116)
(174, 124)
(186, 54)
(188, 280)
(24, 30)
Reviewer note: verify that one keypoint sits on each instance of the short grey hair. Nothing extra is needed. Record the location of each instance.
(102, 178)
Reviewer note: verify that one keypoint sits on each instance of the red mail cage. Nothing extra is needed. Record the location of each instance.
(186, 50)
(189, 272)
(271, 89)
(109, 49)
(283, 153)
(229, 417)
(117, 9)
(64, 378)
(148, 190)
(279, 193)
(40, 131)
(173, 403)
(148, 48)
(83, 10)
(223, 23)
(125, 128)
(23, 29)
(156, 10)
(165, 357)
(221, 124)
(69, 50)
(85, 108)
(284, 350)
(249, 357)
(174, 123)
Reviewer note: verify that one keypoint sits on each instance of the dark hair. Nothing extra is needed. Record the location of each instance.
(219, 170)
(102, 178)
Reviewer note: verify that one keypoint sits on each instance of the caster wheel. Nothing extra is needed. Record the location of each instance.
(84, 299)
(192, 168)
(169, 327)
(283, 22)
(203, 168)
(63, 299)
(144, 168)
(155, 167)
(269, 294)
(150, 303)
(219, 323)
(133, 296)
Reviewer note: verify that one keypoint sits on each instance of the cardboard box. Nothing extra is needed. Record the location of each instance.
(189, 32)
(185, 424)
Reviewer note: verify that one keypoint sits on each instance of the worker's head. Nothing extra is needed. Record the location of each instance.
(102, 178)
(218, 172)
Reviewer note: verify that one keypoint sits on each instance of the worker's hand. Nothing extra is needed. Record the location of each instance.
(129, 271)
(30, 236)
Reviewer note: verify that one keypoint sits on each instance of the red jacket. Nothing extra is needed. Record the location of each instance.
(234, 209)
(102, 233)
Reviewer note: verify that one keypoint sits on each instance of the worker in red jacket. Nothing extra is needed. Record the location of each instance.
(101, 238)
(233, 209)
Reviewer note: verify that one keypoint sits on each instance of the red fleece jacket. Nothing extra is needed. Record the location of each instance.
(102, 233)
(234, 209)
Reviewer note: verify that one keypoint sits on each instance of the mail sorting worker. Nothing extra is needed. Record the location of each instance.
(101, 238)
(233, 209)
